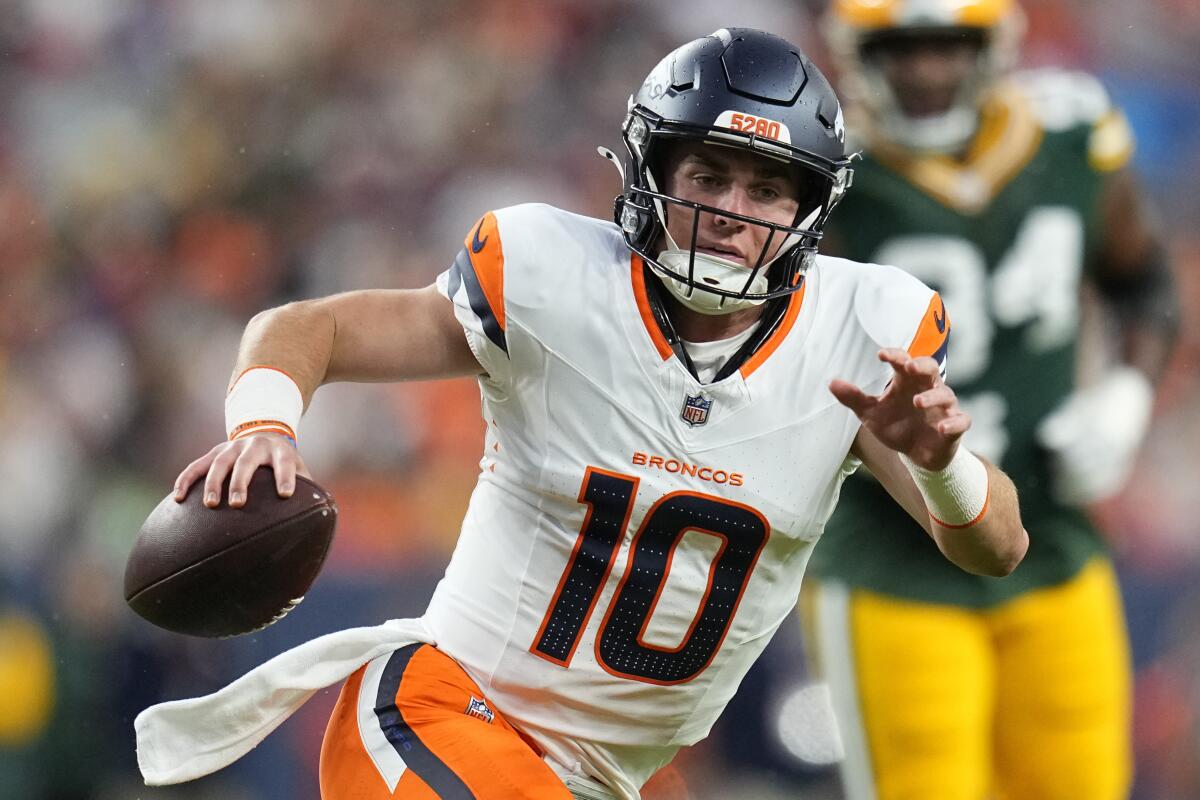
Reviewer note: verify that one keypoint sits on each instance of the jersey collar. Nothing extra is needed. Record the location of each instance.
(662, 344)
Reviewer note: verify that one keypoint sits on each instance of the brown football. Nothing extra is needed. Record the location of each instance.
(225, 571)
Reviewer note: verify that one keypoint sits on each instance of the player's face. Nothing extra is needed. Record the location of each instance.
(735, 181)
(926, 71)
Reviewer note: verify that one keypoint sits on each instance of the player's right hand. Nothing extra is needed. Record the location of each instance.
(239, 459)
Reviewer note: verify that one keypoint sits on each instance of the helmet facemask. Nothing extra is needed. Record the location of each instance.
(705, 282)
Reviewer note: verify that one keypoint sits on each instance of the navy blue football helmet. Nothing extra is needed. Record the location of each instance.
(744, 89)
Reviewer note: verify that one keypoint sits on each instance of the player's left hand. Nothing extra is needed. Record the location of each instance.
(1093, 438)
(917, 414)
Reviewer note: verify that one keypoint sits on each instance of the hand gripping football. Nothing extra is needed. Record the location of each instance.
(225, 571)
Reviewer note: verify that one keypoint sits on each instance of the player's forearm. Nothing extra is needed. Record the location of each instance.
(297, 339)
(361, 336)
(993, 545)
(1147, 312)
(1134, 276)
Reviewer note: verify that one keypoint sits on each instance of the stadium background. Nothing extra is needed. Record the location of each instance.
(169, 168)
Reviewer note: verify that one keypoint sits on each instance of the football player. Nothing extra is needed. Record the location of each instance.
(1007, 192)
(672, 403)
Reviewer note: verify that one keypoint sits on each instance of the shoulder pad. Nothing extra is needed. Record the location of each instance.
(889, 305)
(541, 241)
(1063, 99)
(538, 230)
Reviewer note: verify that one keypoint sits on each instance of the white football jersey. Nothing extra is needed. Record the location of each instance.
(636, 537)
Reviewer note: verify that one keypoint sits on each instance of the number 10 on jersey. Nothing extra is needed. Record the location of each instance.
(620, 645)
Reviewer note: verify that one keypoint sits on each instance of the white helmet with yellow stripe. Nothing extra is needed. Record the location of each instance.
(862, 33)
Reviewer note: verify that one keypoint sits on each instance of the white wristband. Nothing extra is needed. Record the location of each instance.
(263, 399)
(957, 496)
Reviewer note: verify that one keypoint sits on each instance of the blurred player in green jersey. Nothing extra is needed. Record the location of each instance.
(1009, 193)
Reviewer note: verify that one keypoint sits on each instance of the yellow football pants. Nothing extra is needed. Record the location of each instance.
(26, 679)
(1026, 701)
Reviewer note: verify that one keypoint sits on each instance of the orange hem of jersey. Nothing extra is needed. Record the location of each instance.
(772, 344)
(986, 502)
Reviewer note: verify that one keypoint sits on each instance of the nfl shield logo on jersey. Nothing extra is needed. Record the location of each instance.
(479, 709)
(695, 409)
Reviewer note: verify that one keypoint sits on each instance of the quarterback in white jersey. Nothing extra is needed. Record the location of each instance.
(640, 533)
(672, 403)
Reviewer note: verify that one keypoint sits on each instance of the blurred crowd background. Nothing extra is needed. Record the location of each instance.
(169, 167)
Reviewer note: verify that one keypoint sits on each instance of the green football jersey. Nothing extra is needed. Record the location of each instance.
(1005, 235)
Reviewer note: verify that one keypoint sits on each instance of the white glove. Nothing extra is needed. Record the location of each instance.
(1094, 435)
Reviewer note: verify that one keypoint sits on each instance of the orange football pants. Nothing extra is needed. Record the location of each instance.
(412, 724)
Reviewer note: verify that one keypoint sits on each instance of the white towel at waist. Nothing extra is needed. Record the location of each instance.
(184, 739)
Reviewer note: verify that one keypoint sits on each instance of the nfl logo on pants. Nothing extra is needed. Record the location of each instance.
(695, 409)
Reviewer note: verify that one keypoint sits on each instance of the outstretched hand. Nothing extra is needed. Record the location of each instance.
(917, 414)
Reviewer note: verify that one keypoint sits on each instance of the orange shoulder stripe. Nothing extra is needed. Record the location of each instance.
(487, 259)
(933, 332)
